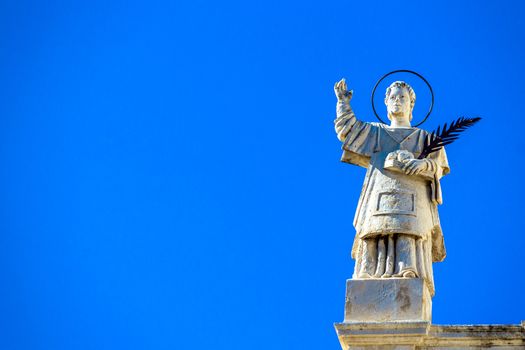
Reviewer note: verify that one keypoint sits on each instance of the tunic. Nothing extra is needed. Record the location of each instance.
(393, 202)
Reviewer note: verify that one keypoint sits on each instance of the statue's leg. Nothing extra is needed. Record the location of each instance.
(427, 249)
(424, 265)
(421, 259)
(390, 257)
(405, 256)
(381, 257)
(358, 259)
(368, 258)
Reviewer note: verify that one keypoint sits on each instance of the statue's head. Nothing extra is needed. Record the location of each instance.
(400, 99)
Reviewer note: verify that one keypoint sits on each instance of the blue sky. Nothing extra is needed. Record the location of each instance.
(171, 180)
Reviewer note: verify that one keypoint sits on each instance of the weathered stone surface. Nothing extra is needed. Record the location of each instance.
(381, 335)
(391, 299)
(500, 337)
(423, 336)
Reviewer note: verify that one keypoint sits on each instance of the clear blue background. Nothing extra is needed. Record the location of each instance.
(170, 176)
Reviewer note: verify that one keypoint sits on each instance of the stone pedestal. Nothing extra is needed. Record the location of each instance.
(387, 300)
(395, 314)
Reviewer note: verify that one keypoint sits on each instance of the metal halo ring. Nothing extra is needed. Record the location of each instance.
(403, 71)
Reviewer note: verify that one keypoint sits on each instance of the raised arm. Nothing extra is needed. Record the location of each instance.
(345, 115)
(360, 139)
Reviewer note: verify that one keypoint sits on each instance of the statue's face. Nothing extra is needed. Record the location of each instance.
(398, 103)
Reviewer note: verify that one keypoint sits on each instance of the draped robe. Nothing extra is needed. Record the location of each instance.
(394, 203)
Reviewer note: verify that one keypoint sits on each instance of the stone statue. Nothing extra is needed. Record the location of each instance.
(388, 302)
(398, 233)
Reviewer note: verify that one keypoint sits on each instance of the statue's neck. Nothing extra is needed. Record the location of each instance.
(399, 122)
(400, 125)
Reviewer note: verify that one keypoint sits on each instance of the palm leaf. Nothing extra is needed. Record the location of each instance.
(445, 136)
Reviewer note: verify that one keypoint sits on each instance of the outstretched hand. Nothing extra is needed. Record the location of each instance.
(341, 91)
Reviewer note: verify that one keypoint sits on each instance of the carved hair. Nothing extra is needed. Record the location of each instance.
(402, 84)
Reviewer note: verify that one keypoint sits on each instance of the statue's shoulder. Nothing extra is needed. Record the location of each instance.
(422, 131)
(378, 125)
(418, 130)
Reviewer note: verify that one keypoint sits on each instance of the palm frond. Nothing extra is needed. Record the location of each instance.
(445, 136)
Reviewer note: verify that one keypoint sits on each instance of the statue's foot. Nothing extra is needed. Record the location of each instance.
(409, 274)
(364, 275)
(386, 275)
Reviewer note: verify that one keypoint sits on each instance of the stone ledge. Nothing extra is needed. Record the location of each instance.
(486, 336)
(381, 333)
(423, 336)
